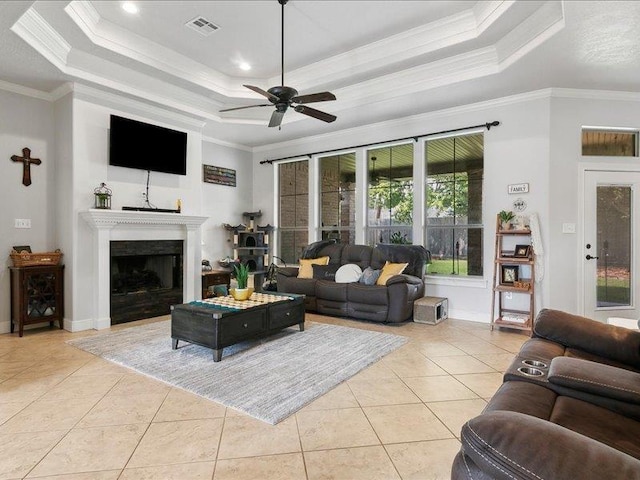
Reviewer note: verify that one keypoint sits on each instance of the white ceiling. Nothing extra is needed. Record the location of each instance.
(382, 59)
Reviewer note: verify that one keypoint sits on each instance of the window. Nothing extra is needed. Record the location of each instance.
(293, 185)
(338, 197)
(609, 142)
(390, 194)
(454, 169)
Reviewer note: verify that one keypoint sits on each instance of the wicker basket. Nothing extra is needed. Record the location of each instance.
(26, 259)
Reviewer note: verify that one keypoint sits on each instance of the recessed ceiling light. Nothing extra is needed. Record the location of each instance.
(245, 66)
(130, 7)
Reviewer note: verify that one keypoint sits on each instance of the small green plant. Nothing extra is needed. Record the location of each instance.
(242, 275)
(399, 238)
(506, 216)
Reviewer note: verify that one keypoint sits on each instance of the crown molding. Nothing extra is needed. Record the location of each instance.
(123, 42)
(94, 95)
(442, 33)
(43, 37)
(488, 12)
(605, 95)
(222, 143)
(26, 91)
(61, 91)
(410, 121)
(531, 33)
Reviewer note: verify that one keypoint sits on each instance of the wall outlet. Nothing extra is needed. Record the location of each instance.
(22, 223)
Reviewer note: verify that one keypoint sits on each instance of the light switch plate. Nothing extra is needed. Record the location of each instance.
(568, 228)
(22, 223)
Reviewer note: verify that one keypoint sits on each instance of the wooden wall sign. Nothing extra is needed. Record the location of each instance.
(219, 175)
(26, 167)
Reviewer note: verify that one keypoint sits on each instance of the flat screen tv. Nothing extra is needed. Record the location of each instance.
(134, 144)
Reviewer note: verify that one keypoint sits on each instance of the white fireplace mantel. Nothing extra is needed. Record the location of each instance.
(111, 225)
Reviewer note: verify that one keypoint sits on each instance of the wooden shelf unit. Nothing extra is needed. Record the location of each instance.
(503, 316)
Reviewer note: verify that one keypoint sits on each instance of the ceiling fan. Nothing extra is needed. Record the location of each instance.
(284, 97)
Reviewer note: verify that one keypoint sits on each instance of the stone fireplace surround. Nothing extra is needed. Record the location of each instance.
(116, 225)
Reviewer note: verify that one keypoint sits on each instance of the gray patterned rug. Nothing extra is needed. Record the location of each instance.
(268, 379)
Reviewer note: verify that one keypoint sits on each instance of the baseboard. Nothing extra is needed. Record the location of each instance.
(468, 315)
(5, 327)
(78, 325)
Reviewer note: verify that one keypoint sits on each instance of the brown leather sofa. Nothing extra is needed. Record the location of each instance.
(388, 303)
(569, 407)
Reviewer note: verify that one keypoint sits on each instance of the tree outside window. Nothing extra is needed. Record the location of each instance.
(455, 168)
(390, 194)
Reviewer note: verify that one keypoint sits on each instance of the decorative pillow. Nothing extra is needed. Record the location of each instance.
(348, 273)
(389, 270)
(306, 270)
(325, 272)
(369, 276)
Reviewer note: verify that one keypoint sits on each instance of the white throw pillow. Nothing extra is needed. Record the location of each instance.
(348, 273)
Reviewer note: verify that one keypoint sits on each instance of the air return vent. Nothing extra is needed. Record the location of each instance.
(202, 26)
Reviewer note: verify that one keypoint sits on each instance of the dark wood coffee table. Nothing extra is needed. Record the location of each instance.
(217, 327)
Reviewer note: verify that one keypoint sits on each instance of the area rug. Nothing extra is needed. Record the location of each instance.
(268, 379)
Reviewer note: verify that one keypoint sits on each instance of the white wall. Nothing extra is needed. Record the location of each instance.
(517, 151)
(25, 122)
(91, 167)
(225, 204)
(568, 116)
(65, 234)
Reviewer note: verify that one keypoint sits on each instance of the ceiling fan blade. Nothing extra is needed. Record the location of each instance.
(276, 118)
(314, 97)
(312, 112)
(248, 106)
(262, 92)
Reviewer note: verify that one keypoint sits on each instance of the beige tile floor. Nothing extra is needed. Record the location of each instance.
(66, 414)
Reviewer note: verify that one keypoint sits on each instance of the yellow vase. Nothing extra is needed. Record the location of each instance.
(241, 293)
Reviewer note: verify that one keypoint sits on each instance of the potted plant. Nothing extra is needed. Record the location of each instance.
(505, 219)
(242, 276)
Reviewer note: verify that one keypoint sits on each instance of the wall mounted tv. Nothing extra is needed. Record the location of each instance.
(134, 144)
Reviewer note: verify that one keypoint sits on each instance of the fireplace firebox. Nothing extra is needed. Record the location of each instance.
(146, 278)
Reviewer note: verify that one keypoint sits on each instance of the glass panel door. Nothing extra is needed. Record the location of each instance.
(613, 217)
(610, 261)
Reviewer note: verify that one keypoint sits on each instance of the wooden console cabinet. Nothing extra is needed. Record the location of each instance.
(214, 277)
(37, 295)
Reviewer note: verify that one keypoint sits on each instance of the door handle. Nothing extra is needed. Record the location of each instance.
(589, 257)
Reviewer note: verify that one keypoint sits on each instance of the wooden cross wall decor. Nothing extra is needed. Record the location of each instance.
(27, 161)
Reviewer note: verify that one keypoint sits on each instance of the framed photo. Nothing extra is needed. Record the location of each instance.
(22, 248)
(509, 274)
(522, 251)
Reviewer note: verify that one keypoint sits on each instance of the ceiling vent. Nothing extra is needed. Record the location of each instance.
(202, 26)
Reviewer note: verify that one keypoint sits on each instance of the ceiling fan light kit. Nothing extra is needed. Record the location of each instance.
(284, 97)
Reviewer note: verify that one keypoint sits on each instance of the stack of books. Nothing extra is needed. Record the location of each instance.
(515, 317)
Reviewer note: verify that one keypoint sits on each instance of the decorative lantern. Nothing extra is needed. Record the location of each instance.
(102, 195)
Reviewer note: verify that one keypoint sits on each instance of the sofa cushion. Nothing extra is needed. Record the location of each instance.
(327, 290)
(369, 276)
(301, 286)
(358, 254)
(325, 272)
(415, 255)
(306, 269)
(389, 270)
(610, 428)
(348, 273)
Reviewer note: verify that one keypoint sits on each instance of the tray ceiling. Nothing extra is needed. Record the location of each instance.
(383, 60)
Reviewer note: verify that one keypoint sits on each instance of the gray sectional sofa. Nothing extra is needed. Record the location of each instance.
(388, 303)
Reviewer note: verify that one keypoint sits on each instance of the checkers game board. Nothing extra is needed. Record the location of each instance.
(228, 301)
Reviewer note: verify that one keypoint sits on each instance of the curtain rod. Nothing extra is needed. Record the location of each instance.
(415, 138)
